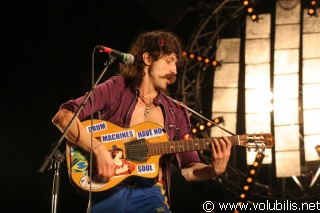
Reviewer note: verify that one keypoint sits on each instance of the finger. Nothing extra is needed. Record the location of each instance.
(227, 141)
(215, 149)
(223, 145)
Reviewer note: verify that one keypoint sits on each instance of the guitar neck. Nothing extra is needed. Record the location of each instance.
(160, 148)
(251, 141)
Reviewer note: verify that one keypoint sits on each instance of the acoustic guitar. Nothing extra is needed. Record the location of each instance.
(136, 152)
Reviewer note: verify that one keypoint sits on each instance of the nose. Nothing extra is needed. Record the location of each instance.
(173, 70)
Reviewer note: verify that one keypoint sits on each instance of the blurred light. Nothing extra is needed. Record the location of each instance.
(209, 124)
(249, 179)
(215, 63)
(200, 58)
(250, 9)
(201, 127)
(311, 11)
(242, 195)
(252, 172)
(254, 17)
(246, 188)
(312, 7)
(218, 120)
(255, 164)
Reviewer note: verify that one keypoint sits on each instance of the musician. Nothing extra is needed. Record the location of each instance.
(136, 95)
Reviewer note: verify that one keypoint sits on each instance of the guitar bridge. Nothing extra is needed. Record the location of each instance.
(136, 150)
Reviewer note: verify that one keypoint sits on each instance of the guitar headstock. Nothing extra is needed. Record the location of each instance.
(257, 141)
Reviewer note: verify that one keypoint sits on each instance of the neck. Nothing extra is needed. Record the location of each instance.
(148, 93)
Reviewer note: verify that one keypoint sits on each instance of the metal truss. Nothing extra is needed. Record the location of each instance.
(204, 42)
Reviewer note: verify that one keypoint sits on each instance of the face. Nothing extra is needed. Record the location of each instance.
(163, 71)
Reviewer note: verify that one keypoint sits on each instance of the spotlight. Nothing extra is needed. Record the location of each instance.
(254, 17)
(245, 2)
(215, 63)
(201, 127)
(194, 130)
(250, 9)
(201, 59)
(218, 120)
(255, 164)
(251, 175)
(312, 8)
(209, 124)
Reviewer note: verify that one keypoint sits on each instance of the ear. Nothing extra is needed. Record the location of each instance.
(146, 58)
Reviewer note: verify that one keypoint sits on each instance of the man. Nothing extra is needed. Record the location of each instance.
(138, 95)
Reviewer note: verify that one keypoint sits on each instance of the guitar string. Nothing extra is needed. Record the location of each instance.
(135, 149)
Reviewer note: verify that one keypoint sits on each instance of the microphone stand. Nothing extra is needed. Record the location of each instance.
(56, 153)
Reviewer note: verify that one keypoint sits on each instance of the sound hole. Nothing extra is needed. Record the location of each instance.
(136, 150)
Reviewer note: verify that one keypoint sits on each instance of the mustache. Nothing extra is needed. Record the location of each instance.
(171, 77)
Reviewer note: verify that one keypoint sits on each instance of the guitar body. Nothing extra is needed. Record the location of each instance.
(136, 152)
(129, 148)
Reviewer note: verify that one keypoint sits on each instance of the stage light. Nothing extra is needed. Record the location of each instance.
(209, 124)
(215, 63)
(194, 130)
(201, 59)
(312, 7)
(218, 120)
(251, 175)
(252, 172)
(201, 127)
(254, 17)
(250, 10)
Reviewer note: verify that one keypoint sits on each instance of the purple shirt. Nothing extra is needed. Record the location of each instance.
(115, 101)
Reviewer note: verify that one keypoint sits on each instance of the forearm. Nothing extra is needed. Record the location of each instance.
(76, 134)
(198, 172)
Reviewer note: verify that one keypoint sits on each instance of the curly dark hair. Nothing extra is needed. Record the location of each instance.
(157, 44)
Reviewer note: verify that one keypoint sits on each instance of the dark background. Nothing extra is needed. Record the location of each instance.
(47, 49)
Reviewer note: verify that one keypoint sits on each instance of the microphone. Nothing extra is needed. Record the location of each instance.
(125, 57)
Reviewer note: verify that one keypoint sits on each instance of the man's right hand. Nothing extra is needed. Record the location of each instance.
(103, 163)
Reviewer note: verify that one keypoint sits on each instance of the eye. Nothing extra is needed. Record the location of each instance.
(171, 59)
